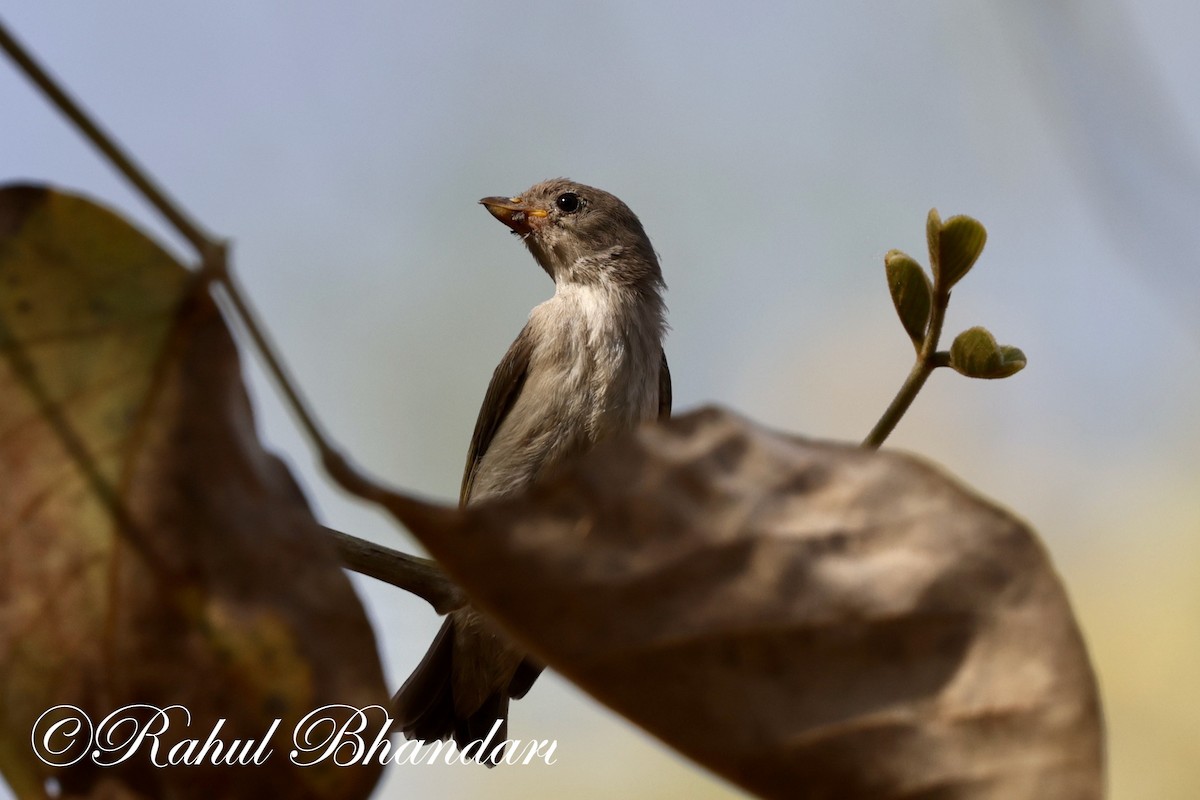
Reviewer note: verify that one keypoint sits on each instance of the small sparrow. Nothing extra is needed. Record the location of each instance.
(588, 364)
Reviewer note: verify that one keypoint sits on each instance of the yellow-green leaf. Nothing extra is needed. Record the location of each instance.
(1012, 360)
(911, 293)
(976, 354)
(960, 242)
(933, 231)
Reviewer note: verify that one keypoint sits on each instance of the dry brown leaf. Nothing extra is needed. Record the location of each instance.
(809, 620)
(151, 551)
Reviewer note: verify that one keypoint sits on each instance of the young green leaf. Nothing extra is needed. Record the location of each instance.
(960, 241)
(933, 232)
(911, 292)
(1011, 359)
(976, 355)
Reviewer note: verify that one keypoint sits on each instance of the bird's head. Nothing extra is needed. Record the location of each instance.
(580, 234)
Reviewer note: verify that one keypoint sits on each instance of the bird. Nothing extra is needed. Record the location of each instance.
(589, 364)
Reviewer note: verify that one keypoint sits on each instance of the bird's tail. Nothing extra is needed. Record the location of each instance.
(425, 708)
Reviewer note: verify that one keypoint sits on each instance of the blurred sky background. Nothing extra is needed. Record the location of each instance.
(774, 153)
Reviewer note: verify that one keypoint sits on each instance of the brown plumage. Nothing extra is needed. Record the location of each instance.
(588, 364)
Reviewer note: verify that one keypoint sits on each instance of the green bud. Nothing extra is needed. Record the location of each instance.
(1012, 360)
(911, 292)
(933, 233)
(976, 355)
(960, 241)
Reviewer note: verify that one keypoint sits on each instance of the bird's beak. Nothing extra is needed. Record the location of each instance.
(515, 213)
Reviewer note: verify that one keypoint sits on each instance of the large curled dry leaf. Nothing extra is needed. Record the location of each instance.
(151, 551)
(809, 620)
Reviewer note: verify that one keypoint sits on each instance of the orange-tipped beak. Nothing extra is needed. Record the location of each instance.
(514, 212)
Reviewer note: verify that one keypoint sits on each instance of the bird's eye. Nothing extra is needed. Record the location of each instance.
(568, 202)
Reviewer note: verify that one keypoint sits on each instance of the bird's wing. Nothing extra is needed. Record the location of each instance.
(502, 394)
(664, 389)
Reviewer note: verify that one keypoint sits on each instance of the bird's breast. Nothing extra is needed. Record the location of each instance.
(593, 373)
(603, 356)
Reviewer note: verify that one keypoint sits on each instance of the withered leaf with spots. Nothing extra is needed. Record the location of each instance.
(151, 551)
(809, 620)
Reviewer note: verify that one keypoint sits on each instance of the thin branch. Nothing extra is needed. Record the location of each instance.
(927, 361)
(214, 269)
(283, 380)
(116, 154)
(212, 252)
(420, 576)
